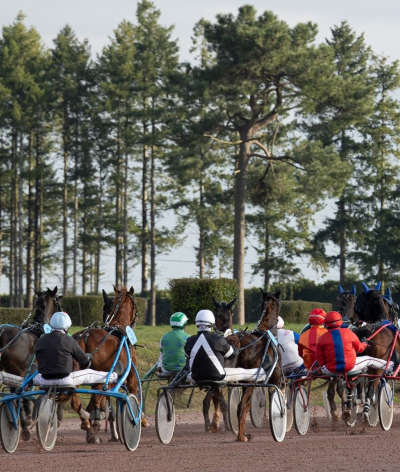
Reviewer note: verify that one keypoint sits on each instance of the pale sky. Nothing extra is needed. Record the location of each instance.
(97, 19)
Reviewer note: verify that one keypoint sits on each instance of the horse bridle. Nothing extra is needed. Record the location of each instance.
(110, 317)
(220, 305)
(278, 304)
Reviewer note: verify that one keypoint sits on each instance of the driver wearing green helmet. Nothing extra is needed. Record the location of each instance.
(172, 345)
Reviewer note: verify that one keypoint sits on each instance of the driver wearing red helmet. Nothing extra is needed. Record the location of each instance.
(336, 350)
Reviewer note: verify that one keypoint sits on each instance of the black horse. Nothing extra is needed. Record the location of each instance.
(17, 344)
(223, 322)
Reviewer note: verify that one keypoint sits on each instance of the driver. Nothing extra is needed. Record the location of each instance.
(336, 350)
(55, 353)
(208, 351)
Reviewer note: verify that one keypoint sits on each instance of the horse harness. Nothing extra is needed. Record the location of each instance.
(110, 317)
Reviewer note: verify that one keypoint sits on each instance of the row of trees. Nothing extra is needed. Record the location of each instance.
(262, 130)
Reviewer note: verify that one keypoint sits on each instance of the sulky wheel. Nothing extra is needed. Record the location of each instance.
(165, 417)
(289, 408)
(301, 410)
(130, 431)
(46, 424)
(234, 398)
(277, 415)
(385, 404)
(8, 434)
(258, 407)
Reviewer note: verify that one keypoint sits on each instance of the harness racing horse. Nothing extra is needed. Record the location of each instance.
(103, 344)
(345, 306)
(223, 322)
(371, 309)
(252, 346)
(17, 344)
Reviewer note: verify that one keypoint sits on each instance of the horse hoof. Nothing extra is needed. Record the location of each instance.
(214, 428)
(85, 426)
(335, 416)
(145, 423)
(93, 440)
(25, 435)
(244, 438)
(95, 428)
(346, 415)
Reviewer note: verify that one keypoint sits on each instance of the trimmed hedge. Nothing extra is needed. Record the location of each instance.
(191, 295)
(90, 308)
(13, 315)
(296, 311)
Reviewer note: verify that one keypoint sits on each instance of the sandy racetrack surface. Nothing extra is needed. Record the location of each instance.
(325, 447)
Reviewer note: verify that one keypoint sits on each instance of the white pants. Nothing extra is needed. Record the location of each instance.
(80, 377)
(364, 362)
(237, 374)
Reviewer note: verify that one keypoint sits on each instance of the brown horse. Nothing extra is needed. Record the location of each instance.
(17, 344)
(223, 322)
(103, 344)
(252, 347)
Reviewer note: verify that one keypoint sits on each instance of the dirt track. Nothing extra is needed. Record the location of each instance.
(322, 449)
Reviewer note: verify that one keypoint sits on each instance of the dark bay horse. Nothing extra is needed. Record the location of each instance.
(223, 322)
(345, 302)
(371, 312)
(103, 344)
(17, 344)
(251, 356)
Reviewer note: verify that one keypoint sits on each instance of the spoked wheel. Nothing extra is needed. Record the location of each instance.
(373, 418)
(234, 398)
(301, 410)
(46, 424)
(385, 404)
(130, 431)
(277, 415)
(9, 436)
(258, 407)
(165, 417)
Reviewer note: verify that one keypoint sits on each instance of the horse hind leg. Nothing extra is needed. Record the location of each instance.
(26, 419)
(224, 410)
(215, 395)
(76, 405)
(206, 410)
(332, 384)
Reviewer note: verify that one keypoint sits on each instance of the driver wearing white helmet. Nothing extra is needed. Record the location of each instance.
(55, 353)
(207, 352)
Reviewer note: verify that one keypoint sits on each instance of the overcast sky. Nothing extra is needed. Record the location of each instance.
(97, 19)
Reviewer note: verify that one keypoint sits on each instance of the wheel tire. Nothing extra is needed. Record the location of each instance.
(46, 424)
(234, 398)
(164, 426)
(277, 415)
(118, 418)
(301, 410)
(8, 435)
(131, 432)
(258, 407)
(385, 409)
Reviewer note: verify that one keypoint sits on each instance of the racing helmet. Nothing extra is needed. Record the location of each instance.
(60, 320)
(205, 317)
(317, 317)
(333, 319)
(178, 320)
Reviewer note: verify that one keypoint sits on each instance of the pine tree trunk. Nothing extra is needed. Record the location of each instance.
(145, 227)
(267, 250)
(342, 242)
(65, 207)
(152, 313)
(12, 222)
(20, 291)
(75, 251)
(239, 225)
(125, 236)
(201, 234)
(29, 252)
(38, 229)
